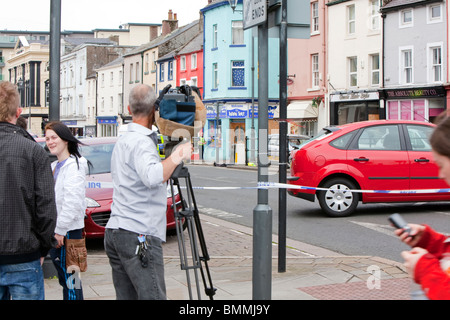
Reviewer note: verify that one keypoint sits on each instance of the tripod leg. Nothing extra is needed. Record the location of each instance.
(210, 291)
(190, 215)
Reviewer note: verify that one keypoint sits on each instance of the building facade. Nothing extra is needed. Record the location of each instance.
(415, 64)
(354, 61)
(231, 83)
(75, 68)
(28, 68)
(307, 74)
(110, 98)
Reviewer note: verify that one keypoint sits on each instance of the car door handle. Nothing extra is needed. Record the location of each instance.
(422, 160)
(360, 159)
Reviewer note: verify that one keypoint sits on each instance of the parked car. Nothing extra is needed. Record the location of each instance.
(293, 140)
(99, 192)
(381, 155)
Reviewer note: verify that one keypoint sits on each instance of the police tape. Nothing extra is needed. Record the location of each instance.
(276, 185)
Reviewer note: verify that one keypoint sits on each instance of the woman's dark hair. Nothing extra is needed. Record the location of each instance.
(440, 138)
(65, 134)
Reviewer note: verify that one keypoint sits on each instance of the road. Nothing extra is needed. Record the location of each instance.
(367, 232)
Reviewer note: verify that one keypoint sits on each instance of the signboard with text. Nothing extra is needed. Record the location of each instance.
(255, 13)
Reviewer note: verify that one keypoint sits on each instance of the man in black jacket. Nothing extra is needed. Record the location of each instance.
(27, 204)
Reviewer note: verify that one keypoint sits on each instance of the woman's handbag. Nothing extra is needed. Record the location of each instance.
(76, 254)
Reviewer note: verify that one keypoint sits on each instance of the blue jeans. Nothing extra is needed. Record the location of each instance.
(70, 281)
(22, 281)
(133, 281)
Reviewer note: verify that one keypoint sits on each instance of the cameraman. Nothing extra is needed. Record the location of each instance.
(137, 227)
(428, 262)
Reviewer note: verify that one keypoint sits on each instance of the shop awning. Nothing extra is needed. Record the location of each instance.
(301, 110)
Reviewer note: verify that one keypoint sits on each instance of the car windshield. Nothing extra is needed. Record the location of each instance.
(99, 155)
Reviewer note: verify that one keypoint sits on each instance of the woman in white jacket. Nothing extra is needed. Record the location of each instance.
(69, 172)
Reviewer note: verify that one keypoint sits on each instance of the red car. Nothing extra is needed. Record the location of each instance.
(362, 161)
(99, 192)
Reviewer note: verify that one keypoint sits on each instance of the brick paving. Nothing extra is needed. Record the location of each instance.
(312, 273)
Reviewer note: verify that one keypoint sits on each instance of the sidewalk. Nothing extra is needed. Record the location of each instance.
(312, 273)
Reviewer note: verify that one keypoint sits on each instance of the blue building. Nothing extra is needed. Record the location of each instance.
(231, 83)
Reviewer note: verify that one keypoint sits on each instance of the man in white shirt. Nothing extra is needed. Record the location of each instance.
(137, 227)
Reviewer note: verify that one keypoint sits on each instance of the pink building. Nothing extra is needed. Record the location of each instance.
(190, 64)
(307, 70)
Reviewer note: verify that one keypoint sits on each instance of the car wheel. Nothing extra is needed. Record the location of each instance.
(338, 200)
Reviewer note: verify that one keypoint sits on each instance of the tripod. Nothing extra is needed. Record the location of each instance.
(189, 217)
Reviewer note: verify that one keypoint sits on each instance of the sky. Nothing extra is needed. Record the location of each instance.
(86, 15)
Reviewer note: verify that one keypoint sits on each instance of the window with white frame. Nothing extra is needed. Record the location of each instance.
(353, 71)
(237, 74)
(194, 82)
(315, 17)
(237, 31)
(161, 72)
(406, 63)
(406, 18)
(111, 79)
(170, 71)
(315, 70)
(214, 36)
(131, 72)
(182, 82)
(435, 63)
(153, 60)
(120, 102)
(194, 61)
(375, 14)
(215, 75)
(183, 63)
(138, 72)
(374, 69)
(147, 63)
(434, 13)
(351, 22)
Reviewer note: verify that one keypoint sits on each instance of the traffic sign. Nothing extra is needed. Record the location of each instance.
(255, 13)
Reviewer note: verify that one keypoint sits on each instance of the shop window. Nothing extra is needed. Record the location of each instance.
(407, 110)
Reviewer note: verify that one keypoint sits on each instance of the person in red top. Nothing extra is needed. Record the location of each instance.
(428, 262)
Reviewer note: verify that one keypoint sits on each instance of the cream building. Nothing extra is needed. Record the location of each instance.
(109, 98)
(130, 34)
(28, 69)
(354, 60)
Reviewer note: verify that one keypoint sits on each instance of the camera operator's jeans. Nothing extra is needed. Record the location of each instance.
(131, 280)
(22, 281)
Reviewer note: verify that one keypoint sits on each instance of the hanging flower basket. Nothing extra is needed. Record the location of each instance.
(316, 101)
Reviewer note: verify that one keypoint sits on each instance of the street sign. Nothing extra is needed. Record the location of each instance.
(255, 13)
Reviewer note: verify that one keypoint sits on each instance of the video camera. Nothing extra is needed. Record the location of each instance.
(177, 107)
(178, 104)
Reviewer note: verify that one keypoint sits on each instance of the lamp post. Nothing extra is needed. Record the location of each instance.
(233, 4)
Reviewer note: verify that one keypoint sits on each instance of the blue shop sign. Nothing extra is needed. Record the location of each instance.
(107, 120)
(70, 122)
(235, 112)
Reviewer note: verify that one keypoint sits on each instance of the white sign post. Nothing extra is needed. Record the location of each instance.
(255, 13)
